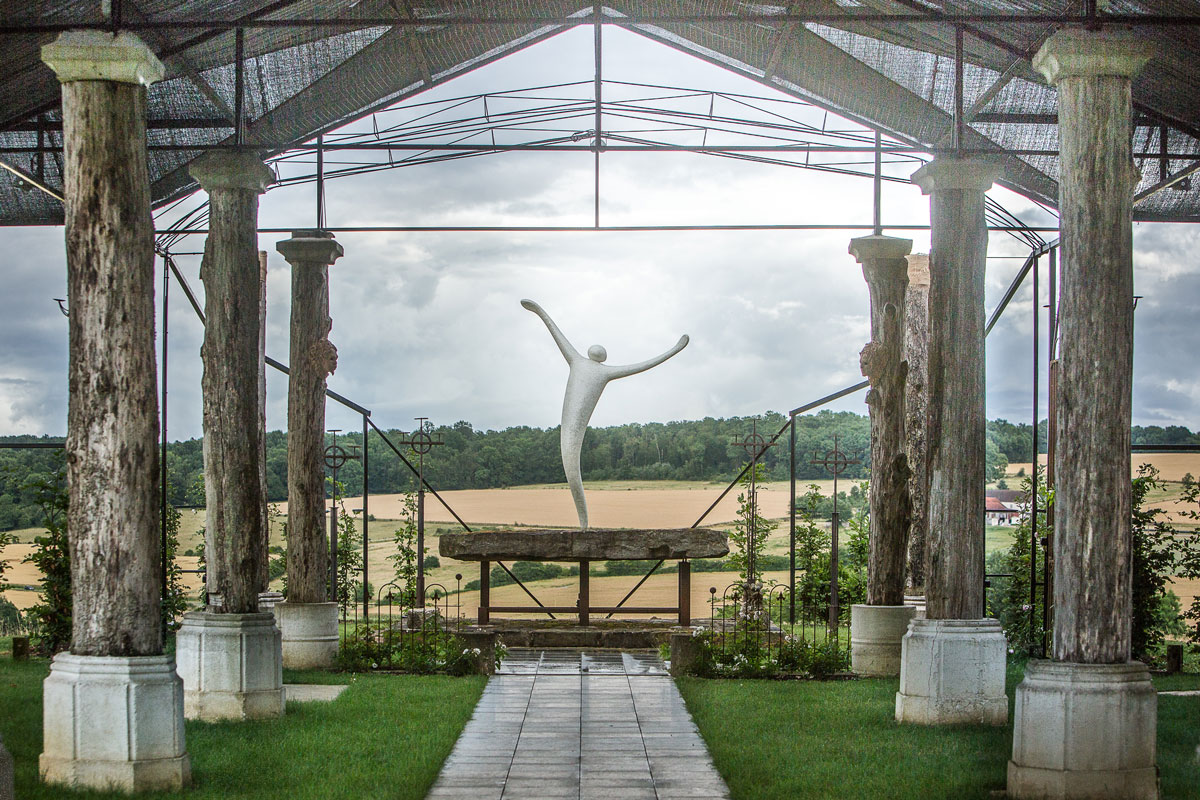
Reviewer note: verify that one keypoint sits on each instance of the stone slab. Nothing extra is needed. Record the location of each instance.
(596, 544)
(313, 692)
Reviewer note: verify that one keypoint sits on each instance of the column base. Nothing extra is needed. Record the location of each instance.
(114, 723)
(952, 672)
(268, 600)
(310, 634)
(231, 666)
(876, 633)
(1084, 731)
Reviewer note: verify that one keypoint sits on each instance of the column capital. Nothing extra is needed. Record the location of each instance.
(947, 172)
(91, 55)
(1079, 53)
(882, 257)
(310, 247)
(229, 169)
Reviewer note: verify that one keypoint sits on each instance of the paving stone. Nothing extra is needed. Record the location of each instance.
(583, 725)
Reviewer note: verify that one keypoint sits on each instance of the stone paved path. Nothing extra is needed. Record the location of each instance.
(579, 724)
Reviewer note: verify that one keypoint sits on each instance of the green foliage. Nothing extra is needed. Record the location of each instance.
(748, 539)
(12, 622)
(432, 562)
(813, 551)
(1009, 598)
(50, 617)
(277, 565)
(750, 653)
(175, 597)
(430, 650)
(349, 555)
(1154, 558)
(5, 540)
(404, 560)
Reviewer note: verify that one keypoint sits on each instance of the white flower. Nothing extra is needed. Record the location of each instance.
(1026, 607)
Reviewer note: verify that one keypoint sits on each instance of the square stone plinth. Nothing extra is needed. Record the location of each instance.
(952, 672)
(310, 634)
(1084, 731)
(114, 723)
(231, 666)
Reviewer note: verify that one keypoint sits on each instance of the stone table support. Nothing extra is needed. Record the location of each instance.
(308, 619)
(877, 627)
(112, 433)
(952, 663)
(229, 659)
(1086, 721)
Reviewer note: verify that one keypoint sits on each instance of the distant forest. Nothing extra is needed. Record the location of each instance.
(471, 459)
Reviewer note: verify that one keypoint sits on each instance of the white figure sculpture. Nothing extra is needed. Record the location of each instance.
(586, 382)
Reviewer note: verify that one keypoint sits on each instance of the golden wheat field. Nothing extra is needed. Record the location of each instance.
(616, 504)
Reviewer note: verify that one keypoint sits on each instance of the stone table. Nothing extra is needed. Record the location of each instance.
(595, 544)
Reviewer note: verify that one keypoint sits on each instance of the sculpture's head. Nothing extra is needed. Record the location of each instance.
(597, 353)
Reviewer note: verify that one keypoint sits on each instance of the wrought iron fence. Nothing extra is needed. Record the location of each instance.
(398, 631)
(750, 632)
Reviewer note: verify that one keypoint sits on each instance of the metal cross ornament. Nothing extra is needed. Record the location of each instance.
(755, 444)
(336, 457)
(421, 441)
(835, 463)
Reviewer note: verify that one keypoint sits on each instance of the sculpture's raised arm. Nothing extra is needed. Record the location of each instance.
(633, 369)
(569, 352)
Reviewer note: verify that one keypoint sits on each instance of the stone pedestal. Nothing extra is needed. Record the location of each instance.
(876, 633)
(310, 634)
(6, 773)
(1084, 731)
(268, 600)
(113, 722)
(230, 665)
(685, 652)
(952, 671)
(483, 640)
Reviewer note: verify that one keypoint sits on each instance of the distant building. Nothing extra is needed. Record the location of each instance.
(999, 512)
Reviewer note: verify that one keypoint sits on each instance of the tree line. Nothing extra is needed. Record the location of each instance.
(696, 450)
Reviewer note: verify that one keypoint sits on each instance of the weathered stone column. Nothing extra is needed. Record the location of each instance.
(916, 403)
(308, 620)
(952, 663)
(1086, 721)
(113, 705)
(877, 626)
(229, 654)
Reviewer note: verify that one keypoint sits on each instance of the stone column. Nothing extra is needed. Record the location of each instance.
(1086, 721)
(952, 663)
(916, 403)
(877, 627)
(229, 654)
(308, 619)
(113, 705)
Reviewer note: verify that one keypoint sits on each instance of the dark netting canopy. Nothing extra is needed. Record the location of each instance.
(310, 66)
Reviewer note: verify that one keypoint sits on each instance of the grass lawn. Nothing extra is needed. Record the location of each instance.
(790, 740)
(386, 736)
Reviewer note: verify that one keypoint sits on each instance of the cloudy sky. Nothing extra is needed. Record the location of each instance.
(429, 324)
